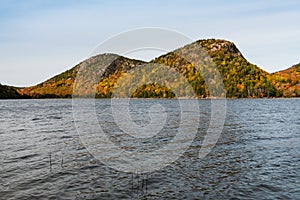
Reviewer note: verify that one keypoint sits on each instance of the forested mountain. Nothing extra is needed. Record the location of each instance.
(61, 86)
(241, 78)
(288, 81)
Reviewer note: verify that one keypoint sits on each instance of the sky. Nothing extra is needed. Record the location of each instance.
(42, 38)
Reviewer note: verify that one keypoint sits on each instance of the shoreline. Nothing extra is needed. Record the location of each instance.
(207, 98)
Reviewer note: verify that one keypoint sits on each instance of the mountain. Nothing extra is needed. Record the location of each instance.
(241, 78)
(288, 81)
(9, 92)
(61, 85)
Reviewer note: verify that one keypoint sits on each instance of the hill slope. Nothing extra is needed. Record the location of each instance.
(241, 78)
(288, 81)
(61, 85)
(9, 92)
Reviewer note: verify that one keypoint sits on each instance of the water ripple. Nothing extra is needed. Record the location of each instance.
(257, 155)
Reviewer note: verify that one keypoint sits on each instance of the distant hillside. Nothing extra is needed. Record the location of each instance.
(61, 86)
(241, 78)
(288, 81)
(9, 92)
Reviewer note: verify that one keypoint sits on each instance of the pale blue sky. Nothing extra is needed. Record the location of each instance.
(39, 39)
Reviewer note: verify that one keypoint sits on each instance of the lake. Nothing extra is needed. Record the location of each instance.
(257, 156)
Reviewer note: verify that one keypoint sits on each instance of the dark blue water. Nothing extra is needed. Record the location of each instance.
(256, 157)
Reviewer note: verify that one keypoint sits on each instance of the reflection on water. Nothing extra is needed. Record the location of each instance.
(257, 155)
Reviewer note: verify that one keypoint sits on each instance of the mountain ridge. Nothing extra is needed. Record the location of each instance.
(241, 78)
